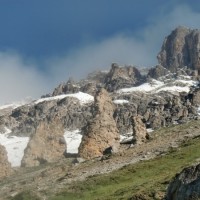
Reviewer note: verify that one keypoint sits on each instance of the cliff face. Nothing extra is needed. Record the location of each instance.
(101, 132)
(181, 48)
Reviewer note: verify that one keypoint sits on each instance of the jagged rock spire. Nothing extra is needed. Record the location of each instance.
(102, 131)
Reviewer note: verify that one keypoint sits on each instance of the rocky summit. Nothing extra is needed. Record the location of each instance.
(109, 120)
(181, 48)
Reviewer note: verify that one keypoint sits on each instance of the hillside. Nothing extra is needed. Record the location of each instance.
(140, 173)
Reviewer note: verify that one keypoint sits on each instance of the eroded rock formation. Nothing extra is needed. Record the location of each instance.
(46, 145)
(139, 130)
(102, 131)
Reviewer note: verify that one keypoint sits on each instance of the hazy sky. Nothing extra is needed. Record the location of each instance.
(44, 42)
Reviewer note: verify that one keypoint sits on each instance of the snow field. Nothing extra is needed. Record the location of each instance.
(73, 140)
(15, 147)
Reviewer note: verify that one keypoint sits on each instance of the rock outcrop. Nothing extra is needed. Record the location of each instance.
(102, 131)
(122, 77)
(157, 71)
(181, 48)
(5, 166)
(46, 145)
(24, 120)
(139, 130)
(186, 185)
(66, 88)
(118, 77)
(195, 97)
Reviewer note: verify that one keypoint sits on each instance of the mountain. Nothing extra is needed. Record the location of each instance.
(112, 112)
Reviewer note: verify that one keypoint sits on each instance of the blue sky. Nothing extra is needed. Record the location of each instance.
(44, 42)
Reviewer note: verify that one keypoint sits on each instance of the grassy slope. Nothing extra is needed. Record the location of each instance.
(141, 181)
(144, 180)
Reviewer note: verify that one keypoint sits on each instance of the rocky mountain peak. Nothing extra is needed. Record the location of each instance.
(181, 48)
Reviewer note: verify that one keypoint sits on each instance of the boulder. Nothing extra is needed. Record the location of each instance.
(185, 185)
(101, 133)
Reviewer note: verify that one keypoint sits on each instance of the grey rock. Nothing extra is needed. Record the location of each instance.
(122, 77)
(185, 185)
(139, 130)
(181, 48)
(157, 71)
(5, 166)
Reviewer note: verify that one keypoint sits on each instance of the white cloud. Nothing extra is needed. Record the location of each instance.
(19, 79)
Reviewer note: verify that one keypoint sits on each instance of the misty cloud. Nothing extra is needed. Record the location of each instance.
(19, 79)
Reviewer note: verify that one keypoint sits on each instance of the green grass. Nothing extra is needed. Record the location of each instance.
(142, 181)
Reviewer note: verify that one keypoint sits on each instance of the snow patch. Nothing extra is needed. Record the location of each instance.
(158, 86)
(13, 106)
(174, 89)
(14, 146)
(198, 110)
(126, 137)
(73, 140)
(82, 97)
(149, 130)
(146, 87)
(120, 101)
(187, 82)
(16, 104)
